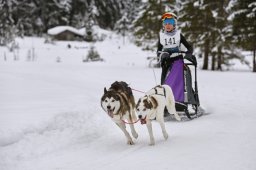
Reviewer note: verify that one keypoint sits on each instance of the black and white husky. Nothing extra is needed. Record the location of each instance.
(118, 102)
(152, 105)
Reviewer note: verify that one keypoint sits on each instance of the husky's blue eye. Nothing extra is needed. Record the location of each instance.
(113, 100)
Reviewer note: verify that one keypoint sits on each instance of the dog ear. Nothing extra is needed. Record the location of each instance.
(138, 103)
(150, 105)
(153, 102)
(105, 90)
(148, 98)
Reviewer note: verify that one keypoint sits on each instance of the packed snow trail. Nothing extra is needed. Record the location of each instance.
(50, 117)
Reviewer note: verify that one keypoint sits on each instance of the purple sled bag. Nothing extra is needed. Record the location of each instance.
(175, 79)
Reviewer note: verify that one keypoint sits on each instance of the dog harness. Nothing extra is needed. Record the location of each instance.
(156, 92)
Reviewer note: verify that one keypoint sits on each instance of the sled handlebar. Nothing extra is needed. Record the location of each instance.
(183, 52)
(190, 58)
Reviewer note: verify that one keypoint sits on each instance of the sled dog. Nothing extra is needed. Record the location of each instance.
(118, 102)
(152, 105)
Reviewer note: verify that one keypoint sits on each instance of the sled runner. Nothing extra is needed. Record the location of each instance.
(179, 78)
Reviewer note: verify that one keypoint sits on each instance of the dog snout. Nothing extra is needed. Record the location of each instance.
(108, 107)
(140, 116)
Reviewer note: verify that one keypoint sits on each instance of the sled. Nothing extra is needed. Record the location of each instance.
(179, 78)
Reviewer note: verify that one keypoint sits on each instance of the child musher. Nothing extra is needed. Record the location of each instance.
(169, 45)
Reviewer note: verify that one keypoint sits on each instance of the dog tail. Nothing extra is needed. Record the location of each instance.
(170, 100)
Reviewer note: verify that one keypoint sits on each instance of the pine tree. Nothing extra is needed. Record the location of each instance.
(129, 11)
(108, 13)
(36, 16)
(7, 27)
(53, 13)
(206, 24)
(24, 17)
(122, 26)
(197, 26)
(221, 34)
(244, 26)
(32, 17)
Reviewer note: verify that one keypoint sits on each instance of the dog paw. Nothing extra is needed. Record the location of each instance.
(177, 117)
(130, 142)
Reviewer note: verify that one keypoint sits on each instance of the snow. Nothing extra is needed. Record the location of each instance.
(51, 118)
(60, 29)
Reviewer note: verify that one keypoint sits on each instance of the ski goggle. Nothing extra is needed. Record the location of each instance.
(169, 21)
(168, 15)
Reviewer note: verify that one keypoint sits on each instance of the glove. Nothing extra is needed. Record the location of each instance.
(164, 56)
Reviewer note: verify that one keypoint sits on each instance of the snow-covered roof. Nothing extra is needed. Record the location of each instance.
(59, 29)
(81, 32)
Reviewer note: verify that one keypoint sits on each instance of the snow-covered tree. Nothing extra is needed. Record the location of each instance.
(7, 27)
(108, 12)
(197, 24)
(77, 13)
(244, 26)
(221, 35)
(122, 26)
(53, 13)
(129, 11)
(37, 16)
(206, 24)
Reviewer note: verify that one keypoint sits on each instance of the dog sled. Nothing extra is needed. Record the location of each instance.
(180, 79)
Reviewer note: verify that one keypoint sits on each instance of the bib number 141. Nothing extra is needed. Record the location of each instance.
(171, 41)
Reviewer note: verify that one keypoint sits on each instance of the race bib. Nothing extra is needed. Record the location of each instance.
(170, 40)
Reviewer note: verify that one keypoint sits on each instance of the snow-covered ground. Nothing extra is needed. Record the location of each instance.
(51, 119)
